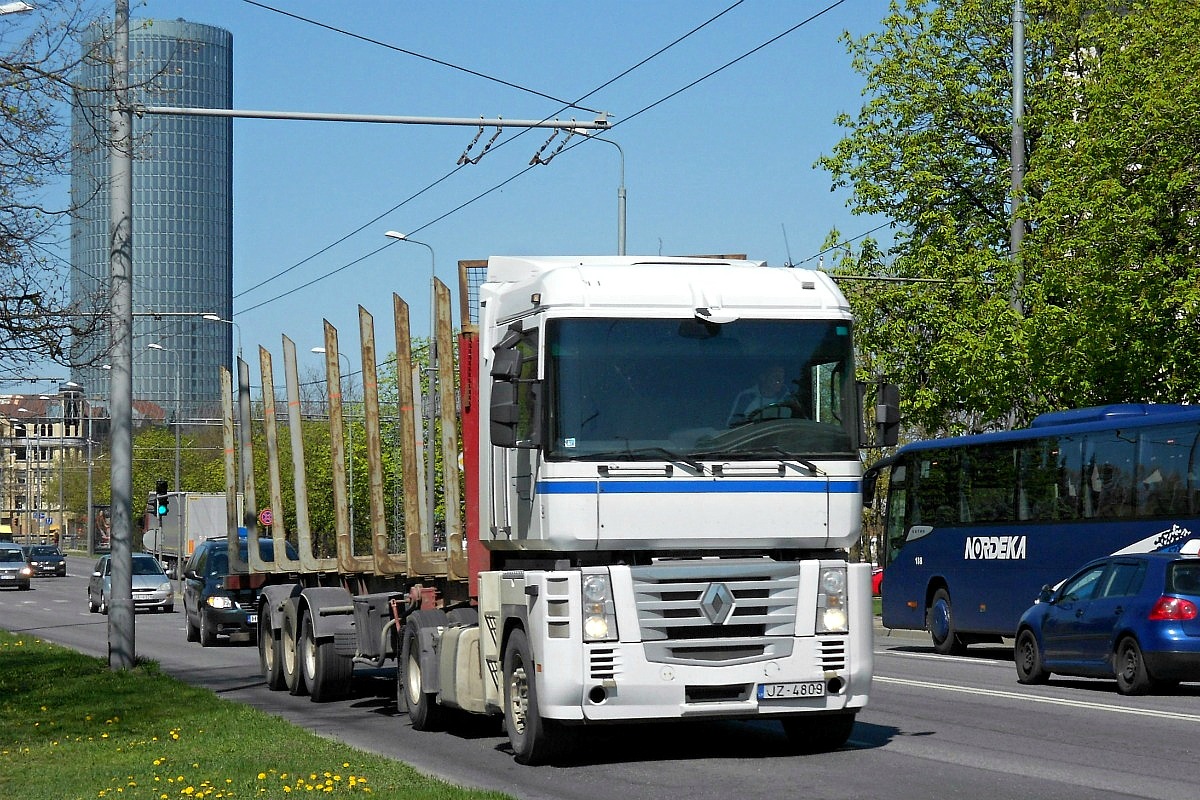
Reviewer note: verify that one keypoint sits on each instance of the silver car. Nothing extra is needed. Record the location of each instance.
(14, 569)
(151, 586)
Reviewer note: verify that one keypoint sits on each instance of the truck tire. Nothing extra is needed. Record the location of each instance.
(818, 733)
(424, 713)
(326, 674)
(534, 740)
(293, 677)
(270, 653)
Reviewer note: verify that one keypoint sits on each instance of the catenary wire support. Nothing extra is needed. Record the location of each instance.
(465, 158)
(537, 157)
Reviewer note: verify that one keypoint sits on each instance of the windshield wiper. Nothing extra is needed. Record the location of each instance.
(770, 451)
(643, 451)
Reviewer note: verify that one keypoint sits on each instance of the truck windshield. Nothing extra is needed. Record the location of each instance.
(655, 389)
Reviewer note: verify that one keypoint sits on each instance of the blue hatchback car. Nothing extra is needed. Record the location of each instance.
(1132, 616)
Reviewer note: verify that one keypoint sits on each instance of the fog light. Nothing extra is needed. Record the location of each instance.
(834, 619)
(595, 628)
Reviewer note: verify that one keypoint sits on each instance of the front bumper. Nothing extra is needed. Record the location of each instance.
(232, 621)
(58, 569)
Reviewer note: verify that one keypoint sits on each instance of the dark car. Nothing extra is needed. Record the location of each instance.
(14, 569)
(1132, 617)
(212, 607)
(46, 559)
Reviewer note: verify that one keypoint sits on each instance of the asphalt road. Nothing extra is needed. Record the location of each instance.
(936, 727)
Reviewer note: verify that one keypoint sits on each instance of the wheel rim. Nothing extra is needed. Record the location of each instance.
(939, 620)
(518, 697)
(412, 680)
(268, 646)
(1129, 664)
(1027, 659)
(309, 649)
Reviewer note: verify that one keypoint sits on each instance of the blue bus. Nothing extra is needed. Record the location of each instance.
(976, 525)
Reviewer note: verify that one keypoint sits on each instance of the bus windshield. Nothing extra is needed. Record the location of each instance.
(654, 388)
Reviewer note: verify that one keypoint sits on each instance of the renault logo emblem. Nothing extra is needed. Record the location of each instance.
(717, 603)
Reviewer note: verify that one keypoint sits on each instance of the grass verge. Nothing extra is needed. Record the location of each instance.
(72, 728)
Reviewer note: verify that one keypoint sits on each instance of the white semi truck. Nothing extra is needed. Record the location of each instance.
(651, 531)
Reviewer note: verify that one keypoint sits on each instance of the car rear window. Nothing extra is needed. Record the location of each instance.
(1184, 578)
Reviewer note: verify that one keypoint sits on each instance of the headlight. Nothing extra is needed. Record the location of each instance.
(595, 588)
(220, 601)
(832, 616)
(26, 571)
(165, 586)
(599, 615)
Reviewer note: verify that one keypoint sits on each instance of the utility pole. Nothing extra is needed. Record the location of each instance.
(121, 654)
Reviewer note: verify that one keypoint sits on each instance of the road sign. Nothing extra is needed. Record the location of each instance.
(266, 517)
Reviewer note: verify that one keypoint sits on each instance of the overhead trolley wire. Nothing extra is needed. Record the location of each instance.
(523, 171)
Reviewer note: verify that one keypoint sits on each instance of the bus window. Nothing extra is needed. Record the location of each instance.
(897, 495)
(990, 478)
(1164, 458)
(1109, 459)
(936, 485)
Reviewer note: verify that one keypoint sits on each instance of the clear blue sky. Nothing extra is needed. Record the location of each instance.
(724, 167)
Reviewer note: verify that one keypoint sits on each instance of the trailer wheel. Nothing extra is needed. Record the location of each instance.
(423, 710)
(270, 654)
(326, 673)
(534, 740)
(293, 678)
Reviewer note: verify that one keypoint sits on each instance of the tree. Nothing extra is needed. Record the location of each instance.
(38, 51)
(1109, 300)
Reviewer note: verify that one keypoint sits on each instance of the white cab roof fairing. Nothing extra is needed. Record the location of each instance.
(660, 286)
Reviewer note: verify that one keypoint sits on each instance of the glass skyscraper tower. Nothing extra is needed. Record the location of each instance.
(182, 214)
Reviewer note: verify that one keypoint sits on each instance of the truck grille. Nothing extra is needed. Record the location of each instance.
(717, 611)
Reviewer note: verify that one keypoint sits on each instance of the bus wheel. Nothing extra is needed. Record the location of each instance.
(939, 618)
(818, 733)
(1028, 655)
(1132, 675)
(534, 740)
(423, 710)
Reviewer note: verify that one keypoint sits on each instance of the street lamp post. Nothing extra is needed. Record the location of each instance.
(432, 400)
(620, 190)
(237, 328)
(349, 438)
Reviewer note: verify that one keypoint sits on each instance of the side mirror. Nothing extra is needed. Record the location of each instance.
(887, 415)
(1047, 594)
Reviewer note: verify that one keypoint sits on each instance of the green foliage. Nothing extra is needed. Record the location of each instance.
(1109, 300)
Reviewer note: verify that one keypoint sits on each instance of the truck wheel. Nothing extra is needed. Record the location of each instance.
(326, 673)
(818, 733)
(269, 653)
(534, 740)
(293, 678)
(423, 710)
(939, 618)
(208, 631)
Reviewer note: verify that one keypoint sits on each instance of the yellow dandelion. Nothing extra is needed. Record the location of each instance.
(287, 789)
(262, 776)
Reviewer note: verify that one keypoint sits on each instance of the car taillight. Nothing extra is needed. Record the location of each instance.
(1173, 609)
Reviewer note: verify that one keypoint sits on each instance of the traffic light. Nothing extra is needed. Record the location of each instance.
(163, 504)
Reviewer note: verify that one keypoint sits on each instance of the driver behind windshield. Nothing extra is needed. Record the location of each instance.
(770, 389)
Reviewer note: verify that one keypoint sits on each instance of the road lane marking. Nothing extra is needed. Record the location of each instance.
(1054, 701)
